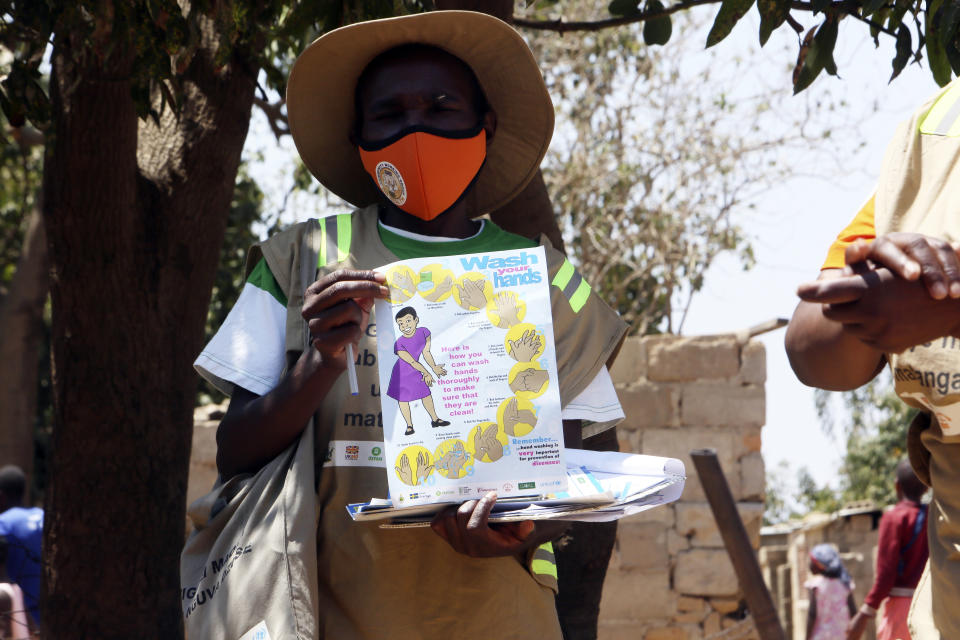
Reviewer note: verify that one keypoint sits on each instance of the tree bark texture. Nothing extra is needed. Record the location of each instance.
(135, 216)
(21, 333)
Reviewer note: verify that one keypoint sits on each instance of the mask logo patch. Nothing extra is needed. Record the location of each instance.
(391, 183)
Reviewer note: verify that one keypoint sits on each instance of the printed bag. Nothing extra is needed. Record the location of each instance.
(250, 565)
(249, 569)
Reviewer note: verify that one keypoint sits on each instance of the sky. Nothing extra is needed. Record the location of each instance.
(791, 225)
(794, 224)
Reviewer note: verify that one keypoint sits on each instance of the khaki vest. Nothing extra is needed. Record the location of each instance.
(919, 191)
(408, 583)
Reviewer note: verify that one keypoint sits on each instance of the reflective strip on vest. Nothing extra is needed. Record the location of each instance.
(943, 119)
(543, 566)
(574, 287)
(335, 236)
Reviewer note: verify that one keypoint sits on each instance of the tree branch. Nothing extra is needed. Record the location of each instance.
(275, 116)
(842, 6)
(560, 26)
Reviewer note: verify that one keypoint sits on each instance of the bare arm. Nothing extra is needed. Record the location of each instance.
(428, 357)
(256, 429)
(822, 354)
(406, 357)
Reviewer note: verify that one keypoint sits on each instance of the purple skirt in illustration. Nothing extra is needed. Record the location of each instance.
(406, 383)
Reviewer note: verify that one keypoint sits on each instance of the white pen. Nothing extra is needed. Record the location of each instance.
(352, 370)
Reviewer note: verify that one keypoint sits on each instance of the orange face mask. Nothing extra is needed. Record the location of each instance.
(425, 173)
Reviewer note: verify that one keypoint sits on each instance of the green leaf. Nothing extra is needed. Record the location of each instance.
(953, 55)
(947, 22)
(623, 7)
(816, 55)
(773, 13)
(826, 40)
(870, 7)
(936, 53)
(730, 13)
(657, 30)
(904, 49)
(899, 10)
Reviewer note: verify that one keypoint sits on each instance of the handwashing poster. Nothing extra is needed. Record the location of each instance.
(467, 362)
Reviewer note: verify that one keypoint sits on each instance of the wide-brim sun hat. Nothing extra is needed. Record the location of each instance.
(320, 99)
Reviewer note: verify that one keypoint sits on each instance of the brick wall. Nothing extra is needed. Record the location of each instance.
(670, 577)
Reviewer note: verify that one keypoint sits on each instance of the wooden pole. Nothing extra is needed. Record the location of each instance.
(737, 542)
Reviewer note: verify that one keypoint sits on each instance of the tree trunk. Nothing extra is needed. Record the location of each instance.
(21, 332)
(135, 217)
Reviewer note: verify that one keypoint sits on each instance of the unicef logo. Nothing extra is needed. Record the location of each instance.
(391, 183)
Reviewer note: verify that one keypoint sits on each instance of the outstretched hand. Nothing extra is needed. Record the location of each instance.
(471, 294)
(526, 347)
(508, 308)
(467, 529)
(404, 471)
(423, 469)
(401, 285)
(486, 442)
(513, 415)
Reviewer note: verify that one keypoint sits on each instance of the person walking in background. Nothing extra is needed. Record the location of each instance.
(23, 529)
(902, 552)
(830, 593)
(14, 624)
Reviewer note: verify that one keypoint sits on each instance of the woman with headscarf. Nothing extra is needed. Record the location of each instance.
(830, 593)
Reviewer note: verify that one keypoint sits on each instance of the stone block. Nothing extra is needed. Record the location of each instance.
(688, 603)
(722, 405)
(663, 514)
(748, 439)
(753, 363)
(649, 405)
(667, 633)
(637, 595)
(630, 441)
(689, 617)
(631, 363)
(713, 624)
(753, 479)
(724, 605)
(643, 546)
(677, 443)
(675, 359)
(695, 519)
(676, 542)
(704, 572)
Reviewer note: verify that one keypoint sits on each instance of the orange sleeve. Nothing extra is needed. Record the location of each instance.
(861, 227)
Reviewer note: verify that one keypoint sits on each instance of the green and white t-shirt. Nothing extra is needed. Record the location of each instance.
(249, 348)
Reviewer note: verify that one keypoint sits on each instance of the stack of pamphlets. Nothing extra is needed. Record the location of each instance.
(601, 486)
